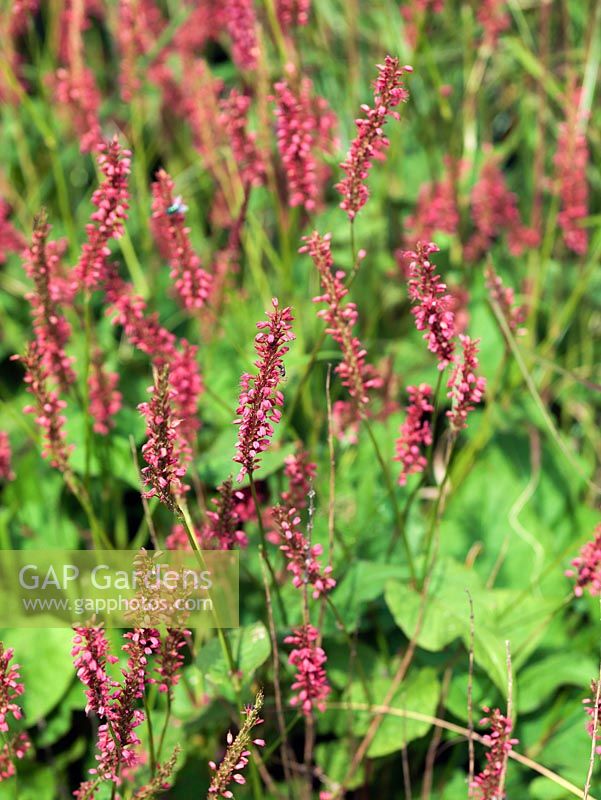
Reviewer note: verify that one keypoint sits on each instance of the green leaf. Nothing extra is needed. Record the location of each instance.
(446, 616)
(419, 692)
(250, 648)
(539, 681)
(364, 582)
(46, 667)
(37, 784)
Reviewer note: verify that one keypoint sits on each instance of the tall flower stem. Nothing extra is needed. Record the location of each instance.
(223, 641)
(164, 728)
(399, 522)
(278, 594)
(151, 750)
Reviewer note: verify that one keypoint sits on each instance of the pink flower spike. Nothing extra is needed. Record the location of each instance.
(504, 297)
(370, 142)
(487, 784)
(300, 554)
(192, 283)
(466, 389)
(91, 654)
(571, 161)
(340, 318)
(260, 399)
(10, 688)
(304, 130)
(300, 472)
(48, 408)
(164, 470)
(111, 201)
(587, 565)
(293, 12)
(416, 432)
(237, 753)
(52, 331)
(432, 311)
(241, 23)
(311, 682)
(105, 398)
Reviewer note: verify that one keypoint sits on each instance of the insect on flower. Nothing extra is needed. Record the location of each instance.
(177, 207)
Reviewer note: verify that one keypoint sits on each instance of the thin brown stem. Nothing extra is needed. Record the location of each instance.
(279, 710)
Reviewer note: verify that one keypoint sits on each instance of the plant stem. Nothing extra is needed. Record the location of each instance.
(152, 755)
(253, 491)
(399, 522)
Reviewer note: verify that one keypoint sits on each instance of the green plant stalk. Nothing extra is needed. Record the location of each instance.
(278, 594)
(152, 754)
(224, 643)
(399, 522)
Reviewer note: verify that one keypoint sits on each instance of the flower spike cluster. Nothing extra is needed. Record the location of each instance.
(416, 432)
(301, 555)
(237, 753)
(111, 201)
(192, 283)
(311, 681)
(432, 311)
(164, 470)
(466, 389)
(370, 142)
(487, 784)
(260, 399)
(340, 318)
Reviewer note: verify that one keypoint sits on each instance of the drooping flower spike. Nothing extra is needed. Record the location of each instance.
(260, 398)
